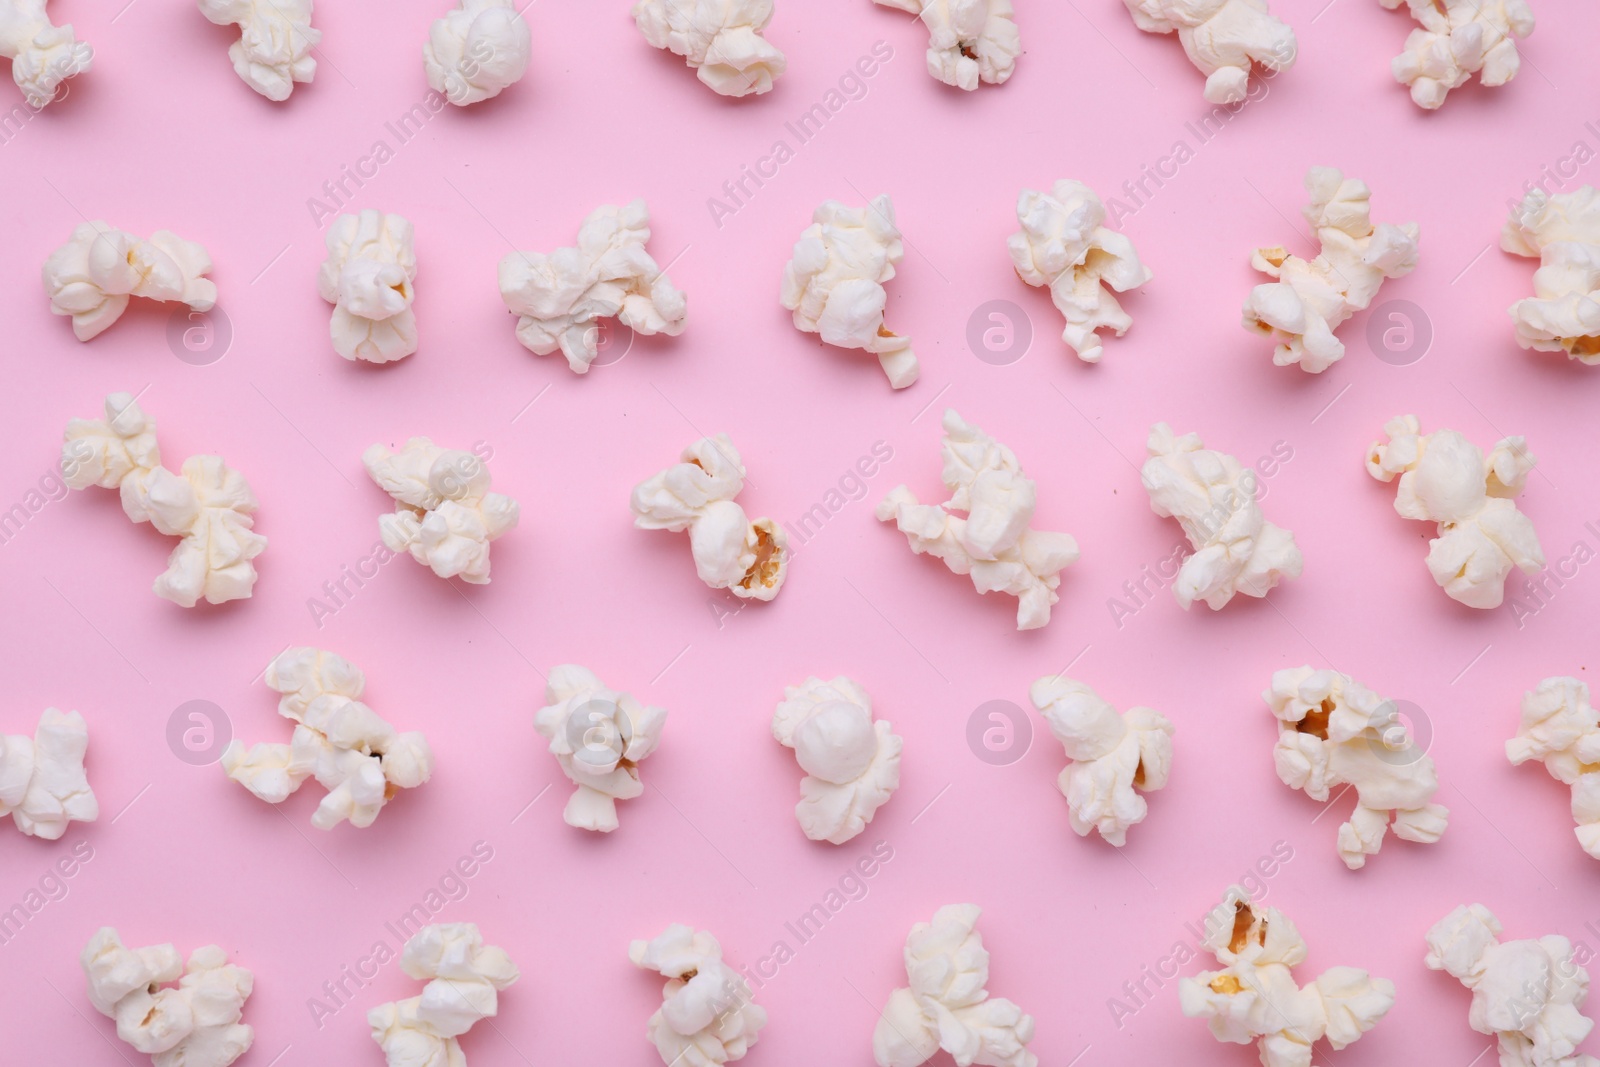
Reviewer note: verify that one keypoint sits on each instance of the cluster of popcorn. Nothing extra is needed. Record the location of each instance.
(1561, 231)
(355, 755)
(444, 514)
(1561, 729)
(834, 283)
(721, 39)
(599, 736)
(479, 49)
(1213, 497)
(707, 1017)
(367, 277)
(1065, 246)
(947, 1004)
(43, 786)
(1526, 994)
(207, 504)
(852, 763)
(1311, 298)
(1333, 731)
(193, 1024)
(1445, 478)
(561, 299)
(1456, 39)
(276, 39)
(1255, 997)
(92, 277)
(1225, 39)
(1112, 757)
(42, 54)
(749, 558)
(465, 978)
(969, 41)
(992, 541)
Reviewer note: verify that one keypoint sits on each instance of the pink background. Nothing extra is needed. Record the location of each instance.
(161, 134)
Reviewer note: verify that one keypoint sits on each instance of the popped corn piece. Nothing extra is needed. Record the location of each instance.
(968, 40)
(479, 49)
(1563, 233)
(1225, 39)
(444, 514)
(43, 786)
(275, 42)
(92, 277)
(599, 736)
(707, 1016)
(720, 39)
(1457, 39)
(368, 277)
(1561, 729)
(465, 978)
(852, 763)
(43, 55)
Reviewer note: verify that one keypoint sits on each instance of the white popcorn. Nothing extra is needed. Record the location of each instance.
(599, 736)
(208, 504)
(1311, 298)
(193, 1024)
(852, 763)
(1562, 729)
(43, 786)
(1223, 38)
(368, 278)
(1334, 731)
(465, 978)
(360, 759)
(706, 1017)
(1213, 497)
(562, 297)
(721, 39)
(444, 514)
(1064, 246)
(1528, 994)
(834, 283)
(1444, 478)
(93, 275)
(1256, 998)
(479, 49)
(993, 542)
(947, 1005)
(1457, 39)
(748, 558)
(275, 43)
(968, 40)
(1112, 757)
(1563, 233)
(43, 55)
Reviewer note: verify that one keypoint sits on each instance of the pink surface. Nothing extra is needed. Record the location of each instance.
(161, 134)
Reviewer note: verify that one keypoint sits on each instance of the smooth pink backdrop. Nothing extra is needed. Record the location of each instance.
(161, 134)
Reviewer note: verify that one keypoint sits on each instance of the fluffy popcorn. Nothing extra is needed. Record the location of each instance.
(1213, 497)
(1334, 731)
(561, 298)
(1256, 998)
(968, 40)
(1561, 729)
(360, 759)
(1064, 246)
(852, 763)
(1223, 38)
(721, 39)
(43, 786)
(465, 978)
(706, 1017)
(599, 736)
(275, 44)
(195, 1023)
(834, 283)
(1563, 233)
(1457, 39)
(92, 276)
(1528, 995)
(1311, 298)
(42, 54)
(444, 514)
(946, 1005)
(1112, 757)
(207, 504)
(479, 49)
(1444, 478)
(367, 277)
(748, 558)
